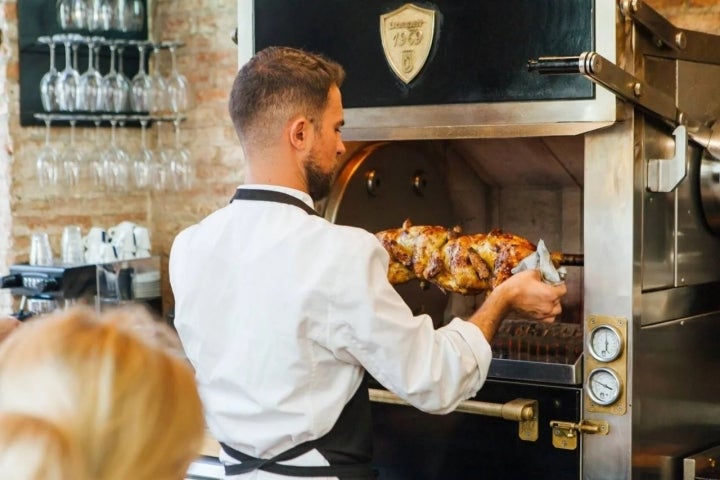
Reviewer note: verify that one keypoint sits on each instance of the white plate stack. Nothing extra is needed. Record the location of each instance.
(147, 284)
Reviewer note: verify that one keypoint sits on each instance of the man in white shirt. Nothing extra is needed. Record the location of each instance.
(281, 312)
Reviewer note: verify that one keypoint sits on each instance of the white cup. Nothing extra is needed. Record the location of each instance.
(107, 253)
(122, 229)
(95, 236)
(141, 236)
(40, 251)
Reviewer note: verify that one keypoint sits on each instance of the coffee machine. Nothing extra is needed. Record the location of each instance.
(44, 288)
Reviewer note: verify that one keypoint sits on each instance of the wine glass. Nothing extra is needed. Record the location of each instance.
(107, 16)
(46, 166)
(115, 162)
(67, 82)
(115, 86)
(141, 86)
(95, 160)
(136, 15)
(160, 170)
(71, 160)
(90, 96)
(48, 93)
(179, 94)
(181, 168)
(94, 17)
(124, 81)
(72, 14)
(158, 96)
(143, 161)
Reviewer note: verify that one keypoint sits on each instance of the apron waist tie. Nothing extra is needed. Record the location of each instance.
(271, 465)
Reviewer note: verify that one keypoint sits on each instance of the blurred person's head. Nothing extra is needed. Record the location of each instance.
(32, 448)
(112, 383)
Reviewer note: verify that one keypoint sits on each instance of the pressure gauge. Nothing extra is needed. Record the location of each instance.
(605, 343)
(603, 386)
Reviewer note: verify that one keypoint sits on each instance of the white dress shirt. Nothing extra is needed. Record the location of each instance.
(280, 312)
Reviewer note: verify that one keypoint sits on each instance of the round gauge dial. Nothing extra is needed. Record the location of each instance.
(604, 343)
(603, 386)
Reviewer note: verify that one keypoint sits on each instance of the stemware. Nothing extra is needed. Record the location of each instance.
(115, 86)
(68, 80)
(158, 96)
(136, 15)
(160, 169)
(46, 162)
(71, 160)
(90, 87)
(181, 168)
(179, 94)
(95, 160)
(143, 161)
(72, 14)
(48, 93)
(115, 162)
(141, 86)
(94, 18)
(107, 16)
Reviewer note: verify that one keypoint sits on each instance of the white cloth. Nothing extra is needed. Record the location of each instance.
(540, 260)
(279, 311)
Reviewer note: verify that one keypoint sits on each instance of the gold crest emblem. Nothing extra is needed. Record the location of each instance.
(407, 35)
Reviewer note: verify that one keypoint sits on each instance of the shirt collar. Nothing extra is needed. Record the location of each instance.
(304, 197)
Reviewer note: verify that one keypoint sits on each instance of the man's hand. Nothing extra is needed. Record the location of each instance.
(7, 326)
(525, 294)
(532, 298)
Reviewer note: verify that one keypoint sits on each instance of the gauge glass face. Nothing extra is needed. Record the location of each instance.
(603, 386)
(605, 343)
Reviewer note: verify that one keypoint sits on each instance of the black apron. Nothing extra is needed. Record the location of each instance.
(348, 445)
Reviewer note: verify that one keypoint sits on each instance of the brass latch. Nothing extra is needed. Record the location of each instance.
(565, 434)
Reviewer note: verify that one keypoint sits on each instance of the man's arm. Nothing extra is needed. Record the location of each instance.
(525, 294)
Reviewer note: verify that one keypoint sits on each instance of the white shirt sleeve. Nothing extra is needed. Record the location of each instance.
(370, 323)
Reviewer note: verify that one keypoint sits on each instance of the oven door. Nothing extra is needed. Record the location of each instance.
(413, 445)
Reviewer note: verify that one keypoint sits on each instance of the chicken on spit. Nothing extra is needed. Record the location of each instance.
(466, 264)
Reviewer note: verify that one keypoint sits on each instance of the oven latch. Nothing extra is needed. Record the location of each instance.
(565, 434)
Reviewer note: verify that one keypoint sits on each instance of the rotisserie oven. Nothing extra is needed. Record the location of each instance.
(586, 124)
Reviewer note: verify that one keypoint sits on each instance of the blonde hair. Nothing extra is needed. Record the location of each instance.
(130, 403)
(32, 448)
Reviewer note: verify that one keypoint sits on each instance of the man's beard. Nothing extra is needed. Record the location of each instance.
(318, 182)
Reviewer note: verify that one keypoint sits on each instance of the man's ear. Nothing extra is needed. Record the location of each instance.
(300, 131)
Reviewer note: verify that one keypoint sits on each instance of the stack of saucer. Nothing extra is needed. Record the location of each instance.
(146, 284)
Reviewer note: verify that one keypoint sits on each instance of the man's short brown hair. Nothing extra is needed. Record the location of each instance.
(277, 84)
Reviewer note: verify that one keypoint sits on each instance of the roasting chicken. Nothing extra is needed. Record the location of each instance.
(466, 264)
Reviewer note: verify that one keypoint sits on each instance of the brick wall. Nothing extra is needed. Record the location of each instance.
(209, 60)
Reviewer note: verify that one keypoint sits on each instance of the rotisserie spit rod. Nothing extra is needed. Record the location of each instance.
(466, 264)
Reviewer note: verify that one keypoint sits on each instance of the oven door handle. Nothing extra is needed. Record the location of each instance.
(521, 410)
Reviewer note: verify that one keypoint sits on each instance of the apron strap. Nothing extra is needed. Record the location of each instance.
(347, 446)
(272, 196)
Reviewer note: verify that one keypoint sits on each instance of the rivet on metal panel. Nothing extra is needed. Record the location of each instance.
(681, 40)
(372, 182)
(638, 89)
(419, 182)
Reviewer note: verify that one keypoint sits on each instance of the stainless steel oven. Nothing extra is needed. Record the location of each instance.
(589, 124)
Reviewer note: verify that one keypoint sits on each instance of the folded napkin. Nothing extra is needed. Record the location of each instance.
(540, 260)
